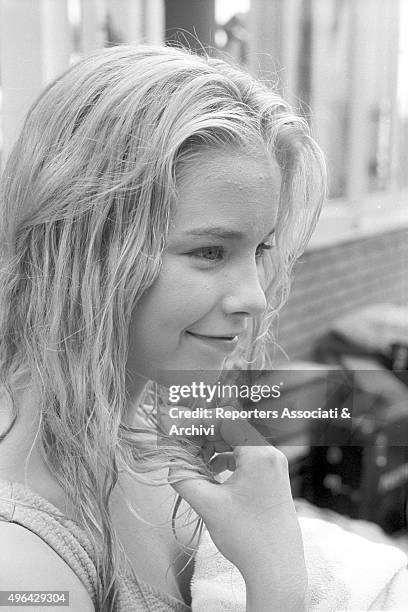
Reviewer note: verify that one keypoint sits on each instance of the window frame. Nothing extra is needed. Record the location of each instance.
(360, 212)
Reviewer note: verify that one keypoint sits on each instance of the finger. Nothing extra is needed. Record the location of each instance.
(239, 432)
(197, 492)
(207, 451)
(222, 462)
(247, 443)
(220, 446)
(211, 447)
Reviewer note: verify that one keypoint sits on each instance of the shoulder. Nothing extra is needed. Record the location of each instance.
(27, 563)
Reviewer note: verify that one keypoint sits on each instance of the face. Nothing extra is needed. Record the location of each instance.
(212, 276)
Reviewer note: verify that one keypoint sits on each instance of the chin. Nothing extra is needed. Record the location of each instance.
(186, 373)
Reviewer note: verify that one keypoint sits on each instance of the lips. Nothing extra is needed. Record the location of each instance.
(226, 343)
(225, 337)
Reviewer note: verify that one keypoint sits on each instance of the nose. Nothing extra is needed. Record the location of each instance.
(246, 296)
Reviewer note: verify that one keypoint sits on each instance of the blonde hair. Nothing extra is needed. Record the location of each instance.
(86, 200)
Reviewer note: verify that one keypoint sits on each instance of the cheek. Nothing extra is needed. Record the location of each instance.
(187, 301)
(171, 303)
(180, 296)
(182, 290)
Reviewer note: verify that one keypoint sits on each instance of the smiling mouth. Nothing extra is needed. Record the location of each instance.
(225, 338)
(223, 344)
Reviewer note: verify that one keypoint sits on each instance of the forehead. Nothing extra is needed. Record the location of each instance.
(234, 188)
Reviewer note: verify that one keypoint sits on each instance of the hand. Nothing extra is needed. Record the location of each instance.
(251, 516)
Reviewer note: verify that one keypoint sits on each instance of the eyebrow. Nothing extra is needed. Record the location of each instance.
(220, 232)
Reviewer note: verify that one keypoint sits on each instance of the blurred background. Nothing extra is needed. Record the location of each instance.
(343, 64)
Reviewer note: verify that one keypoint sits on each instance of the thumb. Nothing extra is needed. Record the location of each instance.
(242, 437)
(196, 491)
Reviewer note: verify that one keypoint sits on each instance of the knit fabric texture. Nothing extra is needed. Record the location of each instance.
(21, 505)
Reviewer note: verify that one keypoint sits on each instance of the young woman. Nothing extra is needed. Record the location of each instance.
(151, 212)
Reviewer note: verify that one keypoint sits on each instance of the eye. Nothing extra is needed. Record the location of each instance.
(264, 246)
(210, 253)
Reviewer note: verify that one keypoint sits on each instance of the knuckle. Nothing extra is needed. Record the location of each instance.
(274, 458)
(281, 460)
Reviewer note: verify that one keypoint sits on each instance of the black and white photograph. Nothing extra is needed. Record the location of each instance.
(204, 305)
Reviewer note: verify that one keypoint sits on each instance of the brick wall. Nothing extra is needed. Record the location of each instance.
(334, 281)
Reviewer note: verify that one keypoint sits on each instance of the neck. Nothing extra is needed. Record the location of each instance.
(21, 459)
(135, 388)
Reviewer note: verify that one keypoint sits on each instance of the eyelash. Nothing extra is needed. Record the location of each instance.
(264, 246)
